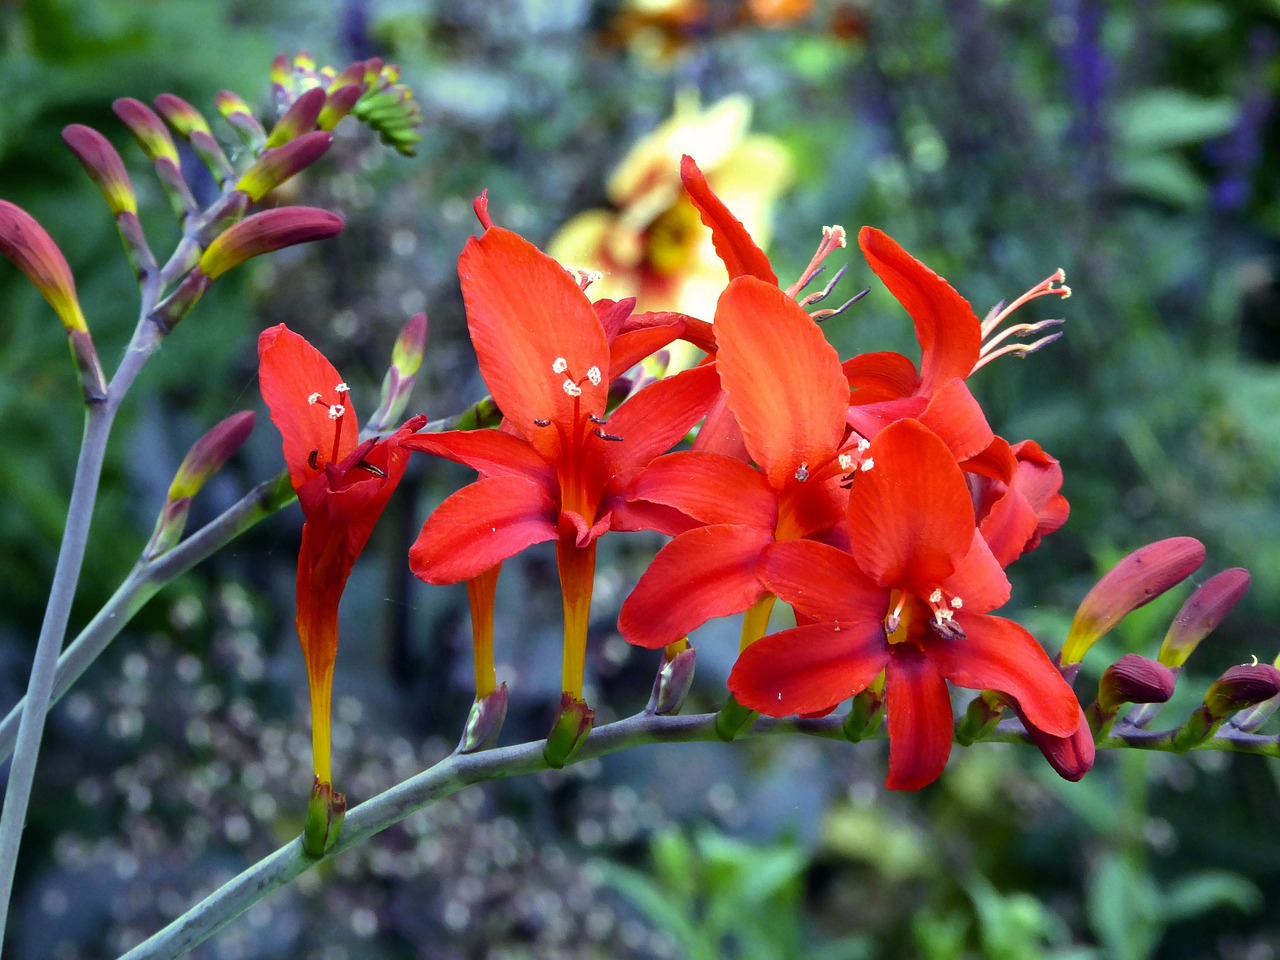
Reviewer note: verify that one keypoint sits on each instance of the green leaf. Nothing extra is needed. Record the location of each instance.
(1164, 117)
(1202, 892)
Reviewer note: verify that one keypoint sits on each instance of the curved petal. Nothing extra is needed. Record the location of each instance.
(524, 312)
(918, 708)
(979, 579)
(290, 372)
(492, 453)
(705, 573)
(1071, 756)
(613, 314)
(741, 255)
(949, 333)
(954, 415)
(632, 346)
(808, 669)
(910, 516)
(709, 488)
(656, 419)
(783, 379)
(1039, 479)
(823, 583)
(720, 432)
(480, 526)
(869, 419)
(998, 654)
(874, 377)
(1008, 525)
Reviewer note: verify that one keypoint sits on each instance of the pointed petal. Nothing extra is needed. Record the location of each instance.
(910, 516)
(1039, 480)
(613, 315)
(998, 654)
(290, 372)
(1071, 756)
(705, 573)
(741, 255)
(954, 415)
(948, 330)
(880, 376)
(656, 419)
(720, 432)
(491, 452)
(808, 669)
(868, 420)
(634, 345)
(696, 484)
(979, 580)
(783, 379)
(823, 583)
(918, 708)
(480, 526)
(524, 312)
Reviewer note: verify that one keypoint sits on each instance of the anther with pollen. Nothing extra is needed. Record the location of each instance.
(368, 467)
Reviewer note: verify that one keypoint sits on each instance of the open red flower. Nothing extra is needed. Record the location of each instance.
(911, 598)
(784, 386)
(560, 466)
(343, 486)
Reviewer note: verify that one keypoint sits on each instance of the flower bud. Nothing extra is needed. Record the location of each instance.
(1251, 719)
(154, 139)
(1240, 687)
(1133, 582)
(189, 122)
(569, 732)
(278, 164)
(205, 458)
(865, 714)
(484, 723)
(341, 96)
(300, 118)
(265, 232)
(980, 717)
(1134, 679)
(674, 679)
(325, 813)
(406, 359)
(104, 166)
(25, 244)
(1201, 614)
(241, 119)
(733, 719)
(1071, 757)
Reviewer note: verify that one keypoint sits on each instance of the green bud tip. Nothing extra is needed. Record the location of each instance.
(182, 116)
(569, 732)
(1133, 582)
(410, 346)
(484, 724)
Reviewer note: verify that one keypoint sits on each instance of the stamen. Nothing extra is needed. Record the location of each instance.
(598, 420)
(572, 389)
(605, 436)
(1051, 286)
(867, 464)
(846, 462)
(833, 238)
(336, 411)
(802, 472)
(956, 603)
(825, 291)
(541, 423)
(342, 388)
(936, 596)
(370, 468)
(314, 398)
(894, 620)
(586, 278)
(559, 365)
(819, 315)
(593, 374)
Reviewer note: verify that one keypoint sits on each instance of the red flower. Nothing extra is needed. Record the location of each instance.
(558, 470)
(911, 598)
(343, 486)
(784, 386)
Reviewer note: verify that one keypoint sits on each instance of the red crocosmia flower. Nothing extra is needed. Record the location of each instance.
(558, 469)
(888, 387)
(1017, 497)
(784, 386)
(343, 486)
(911, 598)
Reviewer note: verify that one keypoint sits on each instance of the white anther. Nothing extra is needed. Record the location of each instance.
(956, 603)
(836, 233)
(314, 398)
(336, 411)
(559, 365)
(936, 596)
(572, 389)
(866, 464)
(846, 462)
(341, 388)
(594, 376)
(863, 444)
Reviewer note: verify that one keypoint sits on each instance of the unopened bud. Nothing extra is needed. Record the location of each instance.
(325, 813)
(980, 717)
(569, 731)
(865, 715)
(1071, 757)
(1133, 582)
(147, 128)
(484, 723)
(300, 118)
(1134, 679)
(278, 164)
(1202, 613)
(25, 244)
(241, 119)
(675, 677)
(191, 124)
(104, 166)
(205, 458)
(265, 232)
(1240, 687)
(341, 96)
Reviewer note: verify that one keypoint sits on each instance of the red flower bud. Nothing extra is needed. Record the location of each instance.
(278, 164)
(300, 118)
(264, 232)
(1134, 679)
(1242, 687)
(104, 166)
(1202, 613)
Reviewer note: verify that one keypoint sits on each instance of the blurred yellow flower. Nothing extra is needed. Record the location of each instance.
(652, 245)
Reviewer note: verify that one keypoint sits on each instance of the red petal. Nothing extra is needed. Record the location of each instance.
(998, 654)
(946, 327)
(696, 484)
(869, 419)
(720, 432)
(979, 580)
(1072, 756)
(492, 453)
(783, 379)
(634, 345)
(733, 244)
(918, 707)
(613, 315)
(880, 376)
(656, 419)
(910, 516)
(955, 415)
(480, 526)
(823, 583)
(524, 312)
(1039, 479)
(290, 371)
(705, 573)
(808, 669)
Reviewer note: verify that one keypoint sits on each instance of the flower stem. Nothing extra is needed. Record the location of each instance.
(577, 567)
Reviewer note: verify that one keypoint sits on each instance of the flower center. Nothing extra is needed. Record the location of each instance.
(337, 413)
(909, 613)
